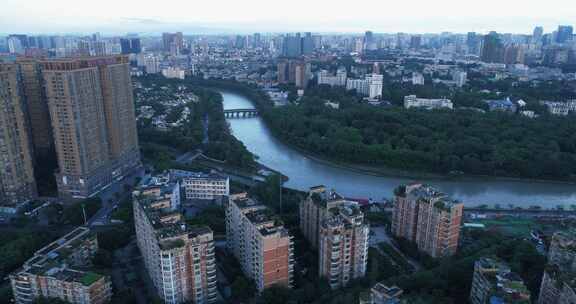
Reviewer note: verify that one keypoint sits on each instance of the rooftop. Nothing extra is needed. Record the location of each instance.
(179, 174)
(507, 286)
(387, 292)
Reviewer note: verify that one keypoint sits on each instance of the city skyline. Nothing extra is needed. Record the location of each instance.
(255, 15)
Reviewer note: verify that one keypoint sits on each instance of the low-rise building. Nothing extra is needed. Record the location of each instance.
(202, 186)
(59, 270)
(504, 105)
(260, 242)
(178, 257)
(412, 101)
(382, 294)
(494, 282)
(173, 72)
(559, 107)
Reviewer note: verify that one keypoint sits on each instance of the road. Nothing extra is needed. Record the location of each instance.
(109, 200)
(379, 235)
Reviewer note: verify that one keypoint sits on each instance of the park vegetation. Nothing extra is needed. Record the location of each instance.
(442, 141)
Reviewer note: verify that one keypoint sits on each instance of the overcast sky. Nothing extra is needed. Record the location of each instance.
(213, 16)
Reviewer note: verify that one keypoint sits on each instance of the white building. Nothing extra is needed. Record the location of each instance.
(324, 77)
(460, 78)
(172, 72)
(429, 104)
(201, 186)
(360, 85)
(559, 107)
(151, 64)
(375, 85)
(417, 79)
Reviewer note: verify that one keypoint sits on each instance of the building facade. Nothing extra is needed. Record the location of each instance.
(93, 122)
(17, 182)
(178, 257)
(343, 250)
(59, 271)
(412, 101)
(494, 282)
(559, 279)
(314, 209)
(260, 242)
(202, 186)
(428, 218)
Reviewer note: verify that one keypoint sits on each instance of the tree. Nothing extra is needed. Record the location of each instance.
(275, 294)
(242, 289)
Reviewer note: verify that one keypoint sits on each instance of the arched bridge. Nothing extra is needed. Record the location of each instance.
(233, 113)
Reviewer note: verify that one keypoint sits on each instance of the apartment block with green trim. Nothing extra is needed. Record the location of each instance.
(61, 270)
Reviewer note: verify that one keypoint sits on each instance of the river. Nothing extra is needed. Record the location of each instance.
(305, 172)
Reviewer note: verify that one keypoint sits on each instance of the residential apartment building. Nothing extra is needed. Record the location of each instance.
(494, 282)
(382, 294)
(93, 122)
(260, 242)
(178, 257)
(338, 80)
(360, 85)
(294, 71)
(559, 279)
(202, 186)
(17, 182)
(428, 218)
(33, 90)
(375, 85)
(314, 209)
(343, 251)
(412, 101)
(59, 271)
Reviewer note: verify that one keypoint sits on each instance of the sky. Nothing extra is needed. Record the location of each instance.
(244, 16)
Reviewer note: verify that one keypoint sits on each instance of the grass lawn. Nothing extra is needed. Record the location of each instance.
(512, 226)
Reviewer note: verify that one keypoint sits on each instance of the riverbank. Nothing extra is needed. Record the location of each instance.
(381, 171)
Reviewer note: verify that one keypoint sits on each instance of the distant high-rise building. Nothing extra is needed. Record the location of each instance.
(494, 282)
(513, 54)
(565, 33)
(130, 45)
(17, 44)
(178, 257)
(369, 42)
(492, 49)
(93, 121)
(558, 281)
(537, 34)
(256, 40)
(415, 42)
(292, 45)
(294, 71)
(473, 43)
(173, 42)
(428, 218)
(260, 242)
(17, 182)
(307, 44)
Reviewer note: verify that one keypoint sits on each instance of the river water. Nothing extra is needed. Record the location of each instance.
(305, 172)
